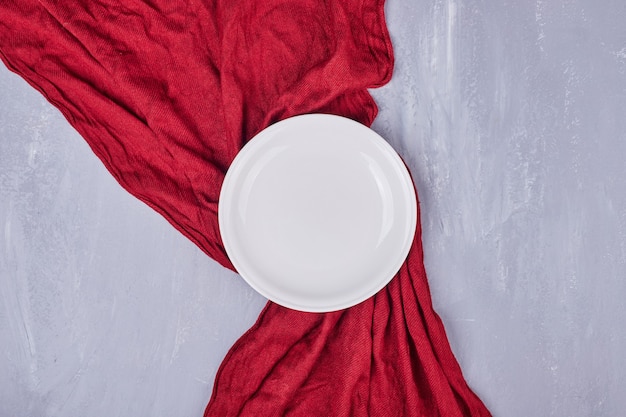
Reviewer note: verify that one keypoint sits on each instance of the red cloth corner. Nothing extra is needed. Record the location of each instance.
(166, 93)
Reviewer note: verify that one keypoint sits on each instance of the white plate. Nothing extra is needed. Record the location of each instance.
(317, 212)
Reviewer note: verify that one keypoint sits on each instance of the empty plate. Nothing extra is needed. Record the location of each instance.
(317, 212)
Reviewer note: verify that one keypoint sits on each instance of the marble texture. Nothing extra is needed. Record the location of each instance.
(510, 116)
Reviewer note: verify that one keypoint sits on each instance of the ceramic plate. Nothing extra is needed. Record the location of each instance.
(317, 212)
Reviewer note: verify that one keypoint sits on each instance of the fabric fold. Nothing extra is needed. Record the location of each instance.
(166, 93)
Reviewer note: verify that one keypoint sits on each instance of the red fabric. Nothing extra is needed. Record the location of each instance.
(166, 93)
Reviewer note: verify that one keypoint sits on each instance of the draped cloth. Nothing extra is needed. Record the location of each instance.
(166, 93)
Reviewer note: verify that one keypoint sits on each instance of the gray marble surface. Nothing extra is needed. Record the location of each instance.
(510, 116)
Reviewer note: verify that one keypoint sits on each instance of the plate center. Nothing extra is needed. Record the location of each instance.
(315, 213)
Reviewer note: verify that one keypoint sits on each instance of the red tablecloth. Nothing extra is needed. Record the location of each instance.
(166, 93)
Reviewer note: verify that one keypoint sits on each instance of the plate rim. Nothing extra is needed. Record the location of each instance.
(226, 197)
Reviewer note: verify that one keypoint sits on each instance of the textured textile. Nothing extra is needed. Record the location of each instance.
(166, 93)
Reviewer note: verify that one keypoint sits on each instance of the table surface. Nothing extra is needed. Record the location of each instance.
(510, 116)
